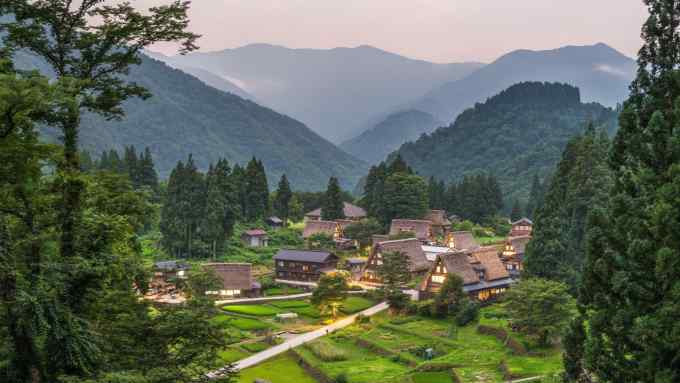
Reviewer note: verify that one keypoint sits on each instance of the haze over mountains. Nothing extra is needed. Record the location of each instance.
(333, 91)
(357, 96)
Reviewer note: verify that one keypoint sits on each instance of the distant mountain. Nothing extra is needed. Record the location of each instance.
(375, 144)
(187, 116)
(518, 133)
(333, 91)
(600, 72)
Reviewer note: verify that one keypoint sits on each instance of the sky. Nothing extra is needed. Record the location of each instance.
(433, 30)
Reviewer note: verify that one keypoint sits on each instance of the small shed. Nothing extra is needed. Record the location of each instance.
(255, 238)
(274, 222)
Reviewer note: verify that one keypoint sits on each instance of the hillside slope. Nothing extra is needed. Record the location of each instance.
(187, 116)
(514, 135)
(600, 72)
(376, 143)
(333, 91)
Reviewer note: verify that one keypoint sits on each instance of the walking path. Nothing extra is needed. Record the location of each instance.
(301, 339)
(273, 298)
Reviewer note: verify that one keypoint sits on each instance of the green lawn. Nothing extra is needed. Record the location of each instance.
(246, 324)
(282, 291)
(232, 354)
(255, 310)
(354, 304)
(281, 369)
(431, 377)
(255, 347)
(289, 304)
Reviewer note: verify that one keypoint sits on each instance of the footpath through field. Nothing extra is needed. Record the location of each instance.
(302, 339)
(272, 298)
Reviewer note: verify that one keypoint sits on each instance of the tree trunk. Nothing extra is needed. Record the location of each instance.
(72, 188)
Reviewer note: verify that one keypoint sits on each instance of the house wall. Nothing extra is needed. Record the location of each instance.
(302, 271)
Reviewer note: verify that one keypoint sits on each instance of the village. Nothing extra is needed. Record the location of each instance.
(270, 313)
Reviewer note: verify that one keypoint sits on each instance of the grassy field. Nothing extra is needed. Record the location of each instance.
(255, 310)
(355, 304)
(281, 369)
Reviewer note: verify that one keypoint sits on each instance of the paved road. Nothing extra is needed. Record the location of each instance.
(302, 339)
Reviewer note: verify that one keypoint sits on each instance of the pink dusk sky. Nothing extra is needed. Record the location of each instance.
(433, 30)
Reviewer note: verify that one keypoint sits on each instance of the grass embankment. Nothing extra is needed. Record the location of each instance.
(393, 350)
(281, 369)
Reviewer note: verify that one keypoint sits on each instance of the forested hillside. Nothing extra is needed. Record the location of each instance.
(514, 135)
(599, 71)
(375, 144)
(185, 116)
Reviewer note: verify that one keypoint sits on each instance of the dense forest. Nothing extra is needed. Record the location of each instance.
(515, 135)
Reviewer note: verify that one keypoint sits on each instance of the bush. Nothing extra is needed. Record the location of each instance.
(362, 319)
(255, 347)
(424, 308)
(467, 313)
(341, 378)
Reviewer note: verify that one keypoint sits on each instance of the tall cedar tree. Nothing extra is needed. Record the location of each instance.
(282, 200)
(579, 185)
(257, 191)
(477, 198)
(404, 196)
(333, 207)
(437, 193)
(221, 207)
(516, 212)
(631, 283)
(535, 197)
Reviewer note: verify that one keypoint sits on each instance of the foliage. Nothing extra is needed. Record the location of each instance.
(363, 231)
(580, 184)
(332, 208)
(468, 312)
(353, 304)
(326, 351)
(404, 196)
(282, 202)
(280, 369)
(516, 211)
(320, 241)
(331, 290)
(450, 297)
(395, 273)
(516, 134)
(200, 281)
(574, 339)
(477, 198)
(630, 290)
(536, 195)
(539, 308)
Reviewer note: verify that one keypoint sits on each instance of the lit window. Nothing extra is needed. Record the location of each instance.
(438, 278)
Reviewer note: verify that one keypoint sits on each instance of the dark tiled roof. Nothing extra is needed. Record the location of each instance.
(409, 247)
(319, 227)
(463, 240)
(171, 265)
(521, 221)
(255, 233)
(350, 210)
(304, 256)
(421, 228)
(274, 220)
(234, 276)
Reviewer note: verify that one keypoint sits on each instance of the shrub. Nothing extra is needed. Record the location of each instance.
(362, 319)
(255, 347)
(341, 378)
(468, 312)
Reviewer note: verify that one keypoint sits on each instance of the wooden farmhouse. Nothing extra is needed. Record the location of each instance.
(329, 228)
(165, 274)
(274, 222)
(440, 223)
(352, 212)
(420, 228)
(303, 265)
(484, 275)
(237, 280)
(461, 240)
(521, 227)
(255, 238)
(513, 254)
(410, 248)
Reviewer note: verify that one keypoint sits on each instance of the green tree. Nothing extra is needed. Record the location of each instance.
(540, 308)
(330, 292)
(395, 274)
(580, 185)
(405, 196)
(283, 198)
(574, 370)
(296, 213)
(363, 231)
(630, 290)
(333, 206)
(450, 297)
(256, 191)
(535, 197)
(221, 207)
(516, 212)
